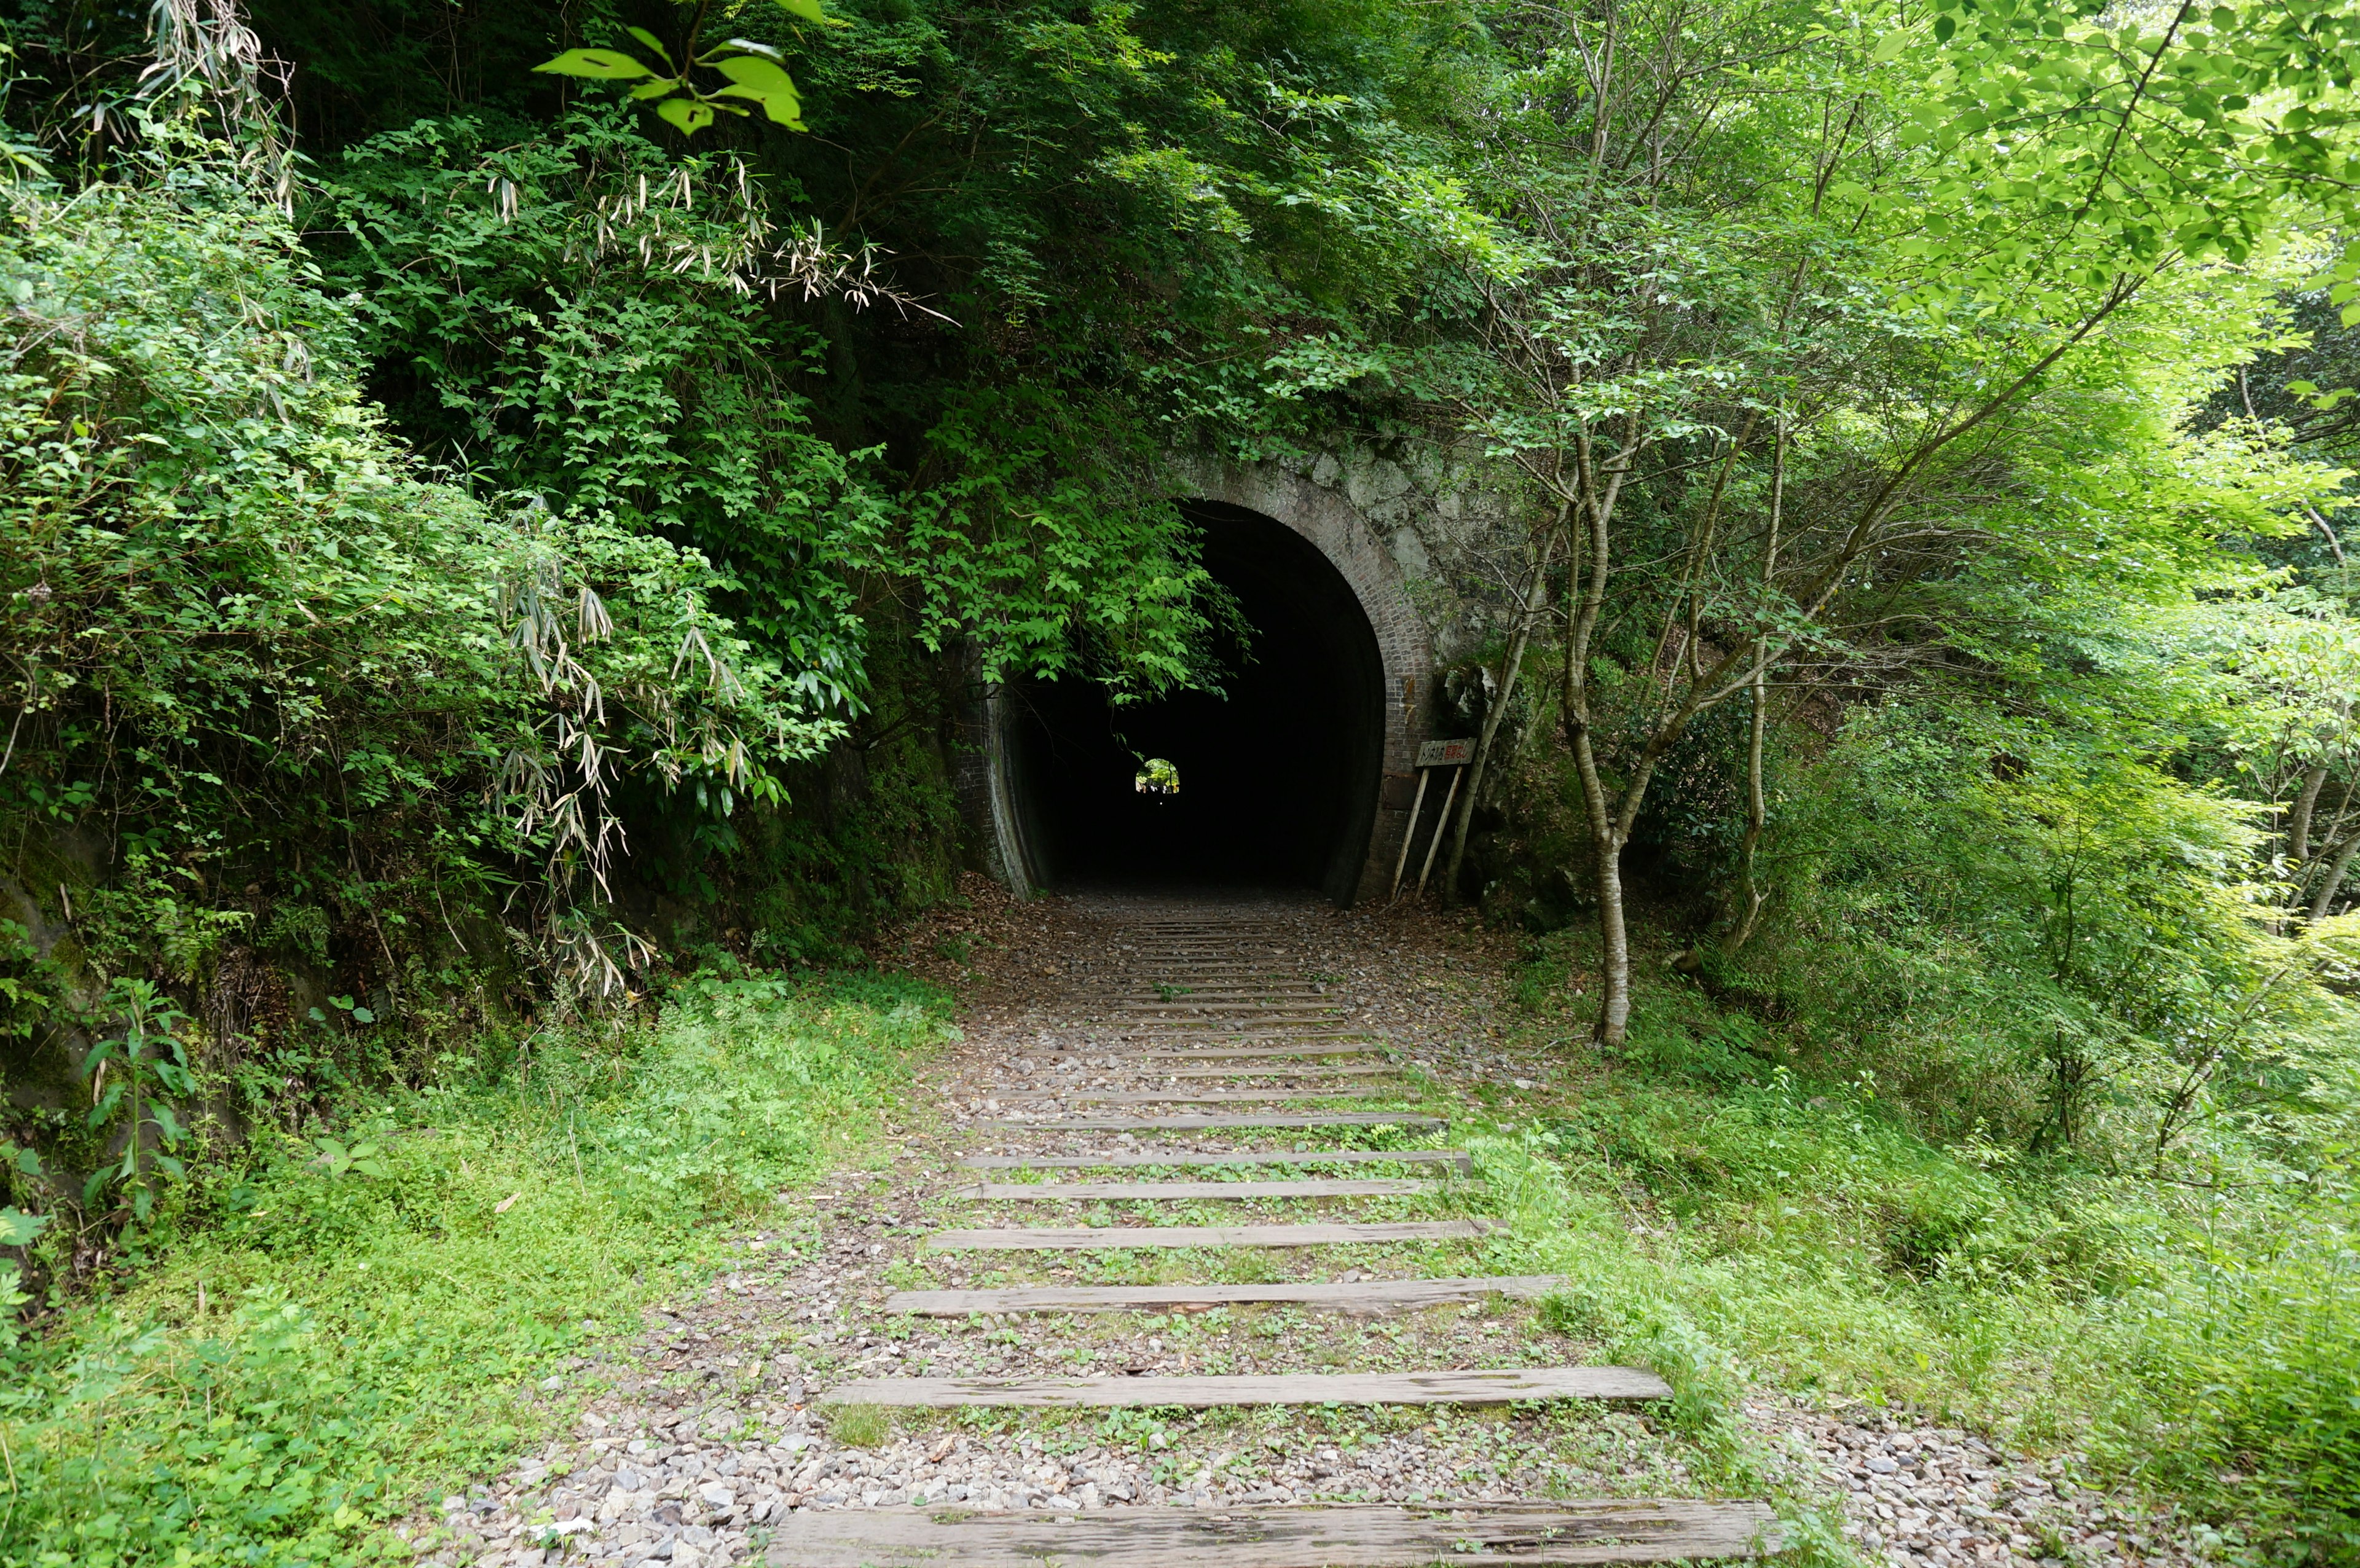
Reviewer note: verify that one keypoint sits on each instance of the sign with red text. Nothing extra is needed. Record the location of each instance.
(1446, 753)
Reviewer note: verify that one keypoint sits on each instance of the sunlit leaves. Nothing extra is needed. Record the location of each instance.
(753, 70)
(766, 82)
(2116, 146)
(605, 65)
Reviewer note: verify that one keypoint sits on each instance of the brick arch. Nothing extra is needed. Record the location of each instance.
(1329, 521)
(1337, 529)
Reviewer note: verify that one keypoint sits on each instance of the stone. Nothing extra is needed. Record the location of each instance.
(1409, 550)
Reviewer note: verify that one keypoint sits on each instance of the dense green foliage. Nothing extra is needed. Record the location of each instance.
(471, 546)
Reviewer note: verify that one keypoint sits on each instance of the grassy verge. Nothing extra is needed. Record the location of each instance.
(1731, 1220)
(345, 1323)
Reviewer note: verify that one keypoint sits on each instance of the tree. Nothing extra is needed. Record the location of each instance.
(1879, 262)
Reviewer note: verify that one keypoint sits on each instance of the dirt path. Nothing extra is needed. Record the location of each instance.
(809, 1386)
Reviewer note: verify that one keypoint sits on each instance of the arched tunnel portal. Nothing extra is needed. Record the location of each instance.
(1279, 777)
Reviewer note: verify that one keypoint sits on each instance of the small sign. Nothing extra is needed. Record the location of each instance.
(1446, 753)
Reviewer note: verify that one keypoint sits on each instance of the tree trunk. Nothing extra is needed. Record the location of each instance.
(1527, 612)
(1606, 853)
(1613, 1024)
(2306, 801)
(1757, 805)
(1757, 815)
(2333, 882)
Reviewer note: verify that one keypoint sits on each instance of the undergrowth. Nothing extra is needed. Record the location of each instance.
(1730, 1218)
(325, 1333)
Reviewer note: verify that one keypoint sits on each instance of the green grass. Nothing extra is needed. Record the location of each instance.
(309, 1352)
(1730, 1221)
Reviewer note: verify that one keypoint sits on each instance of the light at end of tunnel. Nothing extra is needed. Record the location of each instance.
(1156, 776)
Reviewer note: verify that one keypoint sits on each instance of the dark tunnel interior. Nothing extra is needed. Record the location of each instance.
(1277, 777)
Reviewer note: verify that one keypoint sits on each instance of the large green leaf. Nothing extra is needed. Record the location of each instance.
(607, 65)
(766, 83)
(687, 114)
(807, 9)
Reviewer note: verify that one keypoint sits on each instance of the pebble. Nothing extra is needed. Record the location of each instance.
(701, 1433)
(1914, 1495)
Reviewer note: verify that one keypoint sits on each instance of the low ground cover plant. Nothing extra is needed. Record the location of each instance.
(330, 1326)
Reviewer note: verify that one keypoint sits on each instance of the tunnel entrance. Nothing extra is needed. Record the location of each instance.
(1277, 780)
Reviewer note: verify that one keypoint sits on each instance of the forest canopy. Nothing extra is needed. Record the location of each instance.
(503, 504)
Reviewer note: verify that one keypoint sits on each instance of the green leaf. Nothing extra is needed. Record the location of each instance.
(807, 9)
(652, 42)
(364, 1016)
(1890, 45)
(1944, 27)
(656, 89)
(607, 65)
(687, 114)
(165, 1122)
(18, 1228)
(765, 83)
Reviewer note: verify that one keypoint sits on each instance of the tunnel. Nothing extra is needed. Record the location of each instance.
(1277, 776)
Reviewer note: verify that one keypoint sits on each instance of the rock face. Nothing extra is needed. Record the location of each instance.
(1437, 530)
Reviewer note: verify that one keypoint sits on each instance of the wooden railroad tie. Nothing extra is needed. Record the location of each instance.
(1117, 1159)
(1188, 1096)
(1215, 1124)
(1367, 1298)
(1504, 1386)
(1278, 1535)
(1091, 1238)
(1229, 1053)
(1083, 1191)
(1266, 1070)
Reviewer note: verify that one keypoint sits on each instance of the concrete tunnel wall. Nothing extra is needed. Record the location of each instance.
(1331, 523)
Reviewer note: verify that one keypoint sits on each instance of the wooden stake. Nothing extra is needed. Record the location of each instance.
(1401, 862)
(1440, 823)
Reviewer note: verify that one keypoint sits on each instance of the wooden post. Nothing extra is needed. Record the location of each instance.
(1401, 861)
(1440, 823)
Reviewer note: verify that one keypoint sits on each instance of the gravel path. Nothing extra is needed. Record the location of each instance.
(705, 1430)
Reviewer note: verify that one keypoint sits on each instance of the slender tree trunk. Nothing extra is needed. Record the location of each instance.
(2333, 882)
(1613, 1026)
(1757, 805)
(2306, 801)
(1606, 880)
(1528, 602)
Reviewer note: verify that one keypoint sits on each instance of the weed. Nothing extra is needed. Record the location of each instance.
(860, 1426)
